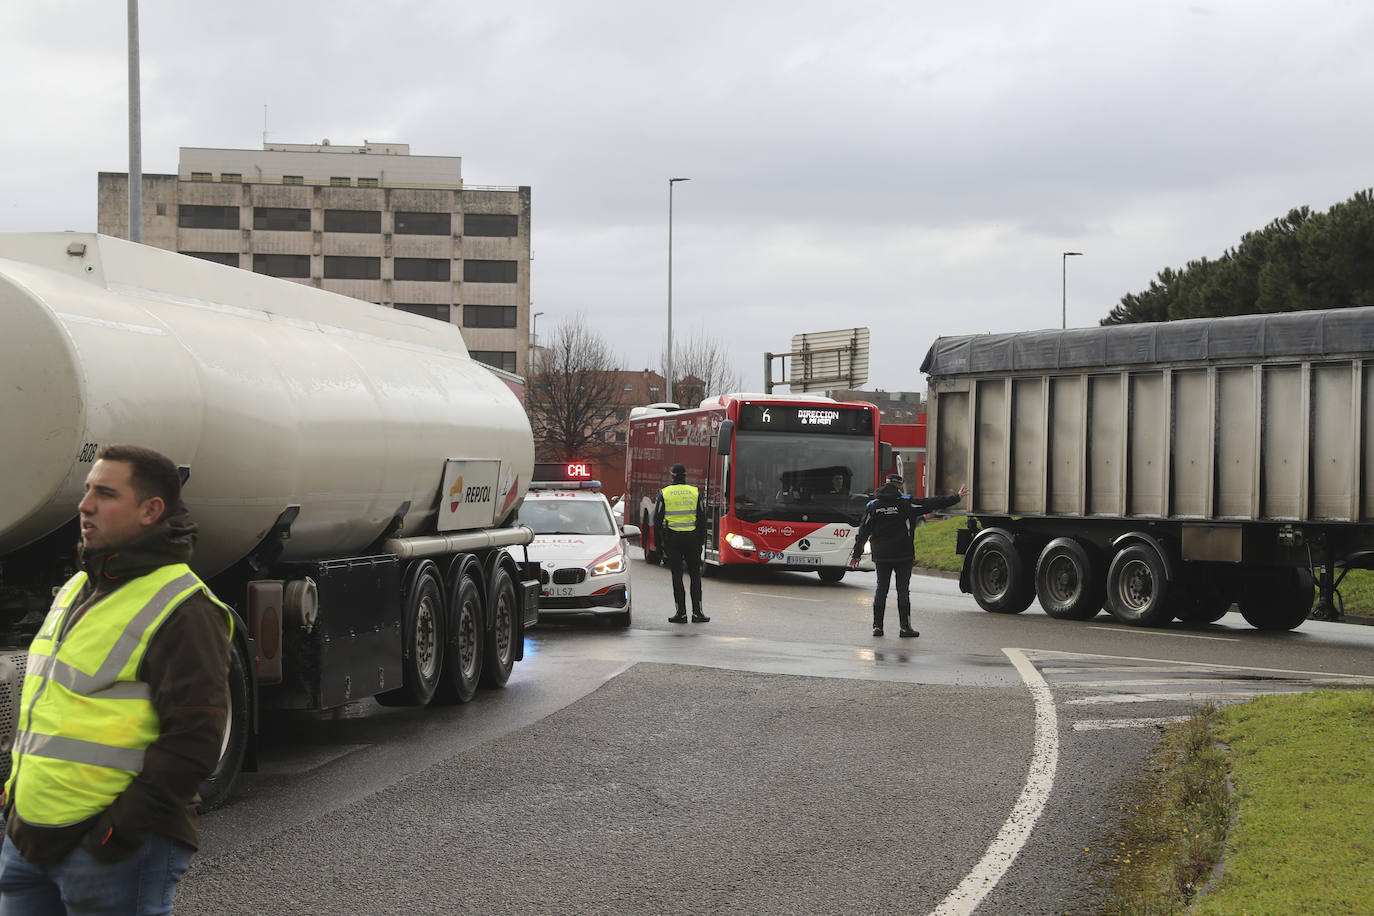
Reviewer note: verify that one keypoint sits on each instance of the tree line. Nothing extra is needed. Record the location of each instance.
(1301, 261)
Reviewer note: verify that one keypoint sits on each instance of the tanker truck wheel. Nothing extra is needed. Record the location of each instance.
(998, 577)
(463, 655)
(218, 786)
(1138, 587)
(1067, 581)
(1279, 602)
(498, 656)
(423, 635)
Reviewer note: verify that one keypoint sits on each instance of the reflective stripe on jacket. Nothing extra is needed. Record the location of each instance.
(85, 719)
(680, 507)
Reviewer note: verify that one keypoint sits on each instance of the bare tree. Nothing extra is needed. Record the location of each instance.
(701, 368)
(573, 394)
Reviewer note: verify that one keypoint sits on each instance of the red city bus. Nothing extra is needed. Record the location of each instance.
(785, 479)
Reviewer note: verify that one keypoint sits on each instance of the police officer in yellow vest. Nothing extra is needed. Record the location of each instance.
(124, 706)
(680, 526)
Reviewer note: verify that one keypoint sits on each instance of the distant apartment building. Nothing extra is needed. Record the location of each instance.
(370, 221)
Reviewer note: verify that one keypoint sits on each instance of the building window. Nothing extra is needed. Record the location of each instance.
(339, 267)
(200, 216)
(489, 271)
(282, 265)
(340, 181)
(422, 268)
(293, 179)
(491, 224)
(231, 177)
(488, 316)
(282, 219)
(501, 359)
(423, 223)
(201, 176)
(437, 312)
(367, 182)
(353, 221)
(227, 258)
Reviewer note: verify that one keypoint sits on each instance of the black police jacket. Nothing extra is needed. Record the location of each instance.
(890, 520)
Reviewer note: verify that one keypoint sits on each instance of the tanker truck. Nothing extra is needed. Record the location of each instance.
(353, 472)
(1164, 470)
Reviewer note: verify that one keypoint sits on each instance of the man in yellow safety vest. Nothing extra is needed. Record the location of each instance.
(680, 525)
(123, 710)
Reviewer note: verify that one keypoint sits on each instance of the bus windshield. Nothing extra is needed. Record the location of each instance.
(802, 477)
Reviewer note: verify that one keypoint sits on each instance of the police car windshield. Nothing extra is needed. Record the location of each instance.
(565, 515)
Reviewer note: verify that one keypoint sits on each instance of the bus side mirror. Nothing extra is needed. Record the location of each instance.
(725, 437)
(884, 459)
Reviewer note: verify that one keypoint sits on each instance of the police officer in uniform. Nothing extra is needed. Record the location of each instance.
(680, 526)
(890, 519)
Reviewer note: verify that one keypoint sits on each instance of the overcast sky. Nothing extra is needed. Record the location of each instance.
(913, 167)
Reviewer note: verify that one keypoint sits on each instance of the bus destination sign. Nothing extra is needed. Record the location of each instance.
(811, 418)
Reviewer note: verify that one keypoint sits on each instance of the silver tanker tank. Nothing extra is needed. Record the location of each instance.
(274, 394)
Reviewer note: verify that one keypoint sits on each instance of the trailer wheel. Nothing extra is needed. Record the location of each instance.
(463, 655)
(1138, 587)
(218, 786)
(1067, 581)
(423, 634)
(652, 557)
(1278, 603)
(998, 576)
(831, 574)
(498, 655)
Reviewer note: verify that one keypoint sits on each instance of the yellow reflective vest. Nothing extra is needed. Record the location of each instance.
(85, 719)
(680, 507)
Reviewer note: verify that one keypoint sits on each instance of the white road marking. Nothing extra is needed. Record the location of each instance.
(783, 597)
(1144, 632)
(1087, 725)
(1165, 682)
(964, 899)
(1181, 666)
(1171, 697)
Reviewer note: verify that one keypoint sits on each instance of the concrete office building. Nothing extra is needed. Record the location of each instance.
(370, 221)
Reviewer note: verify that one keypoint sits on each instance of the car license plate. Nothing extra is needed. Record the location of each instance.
(559, 591)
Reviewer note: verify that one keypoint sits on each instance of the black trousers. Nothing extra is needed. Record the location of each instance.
(902, 570)
(684, 550)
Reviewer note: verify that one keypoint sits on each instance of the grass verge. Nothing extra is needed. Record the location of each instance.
(1300, 840)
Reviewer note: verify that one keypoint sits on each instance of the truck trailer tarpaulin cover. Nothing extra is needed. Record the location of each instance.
(1328, 333)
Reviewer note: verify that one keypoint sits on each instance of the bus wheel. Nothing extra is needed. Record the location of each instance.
(1278, 603)
(463, 658)
(1067, 582)
(423, 635)
(651, 557)
(1138, 587)
(998, 576)
(217, 787)
(498, 656)
(831, 574)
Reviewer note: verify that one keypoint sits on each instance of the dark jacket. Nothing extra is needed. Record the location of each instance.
(890, 519)
(186, 668)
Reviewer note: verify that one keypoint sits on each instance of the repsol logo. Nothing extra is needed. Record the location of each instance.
(477, 495)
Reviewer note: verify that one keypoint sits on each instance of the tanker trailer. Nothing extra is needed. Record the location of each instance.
(354, 473)
(1165, 470)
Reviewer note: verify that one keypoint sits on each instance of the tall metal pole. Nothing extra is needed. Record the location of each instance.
(135, 133)
(669, 367)
(1064, 287)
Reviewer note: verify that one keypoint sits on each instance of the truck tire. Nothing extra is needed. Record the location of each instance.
(1068, 582)
(652, 557)
(219, 785)
(1138, 587)
(498, 651)
(998, 576)
(1278, 603)
(422, 634)
(463, 654)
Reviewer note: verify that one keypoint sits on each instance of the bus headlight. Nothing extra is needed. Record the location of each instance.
(739, 541)
(868, 547)
(615, 564)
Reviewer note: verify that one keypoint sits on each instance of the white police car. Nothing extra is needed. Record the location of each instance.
(584, 564)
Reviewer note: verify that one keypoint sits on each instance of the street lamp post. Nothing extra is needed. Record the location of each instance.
(669, 367)
(1064, 287)
(534, 341)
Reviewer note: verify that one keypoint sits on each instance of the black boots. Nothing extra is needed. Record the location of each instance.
(679, 617)
(699, 617)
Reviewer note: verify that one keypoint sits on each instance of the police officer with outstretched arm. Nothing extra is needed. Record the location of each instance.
(680, 526)
(890, 519)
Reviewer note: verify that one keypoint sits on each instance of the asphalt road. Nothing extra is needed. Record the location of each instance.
(778, 759)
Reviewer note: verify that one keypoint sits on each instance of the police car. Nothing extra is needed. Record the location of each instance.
(584, 564)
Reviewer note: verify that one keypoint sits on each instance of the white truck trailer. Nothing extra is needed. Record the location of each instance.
(1166, 470)
(354, 473)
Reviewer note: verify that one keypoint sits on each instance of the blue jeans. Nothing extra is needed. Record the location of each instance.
(143, 883)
